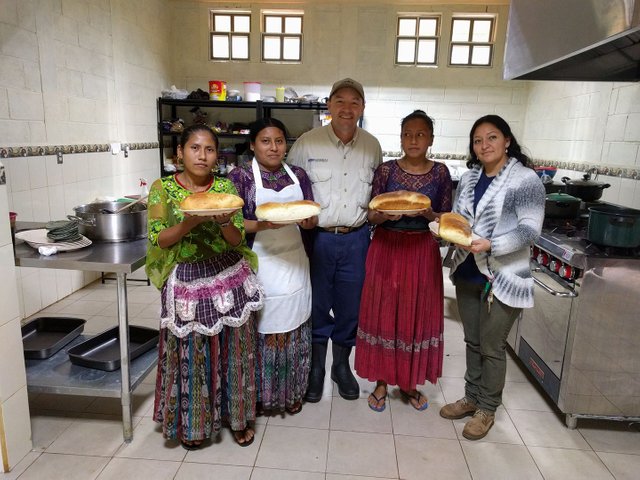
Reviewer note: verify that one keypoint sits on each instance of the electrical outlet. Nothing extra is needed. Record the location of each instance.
(59, 157)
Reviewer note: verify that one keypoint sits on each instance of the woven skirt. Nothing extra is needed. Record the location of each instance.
(401, 322)
(203, 379)
(284, 361)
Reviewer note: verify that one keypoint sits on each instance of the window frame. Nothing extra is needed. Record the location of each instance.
(282, 36)
(231, 34)
(417, 37)
(472, 44)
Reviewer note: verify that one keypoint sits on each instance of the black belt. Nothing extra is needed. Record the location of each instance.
(340, 230)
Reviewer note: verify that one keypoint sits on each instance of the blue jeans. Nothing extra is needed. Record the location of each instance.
(485, 333)
(337, 275)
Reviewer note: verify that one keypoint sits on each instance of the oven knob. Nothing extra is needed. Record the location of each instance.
(543, 258)
(566, 271)
(554, 266)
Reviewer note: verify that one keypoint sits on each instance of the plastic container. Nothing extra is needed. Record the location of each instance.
(279, 94)
(252, 91)
(217, 90)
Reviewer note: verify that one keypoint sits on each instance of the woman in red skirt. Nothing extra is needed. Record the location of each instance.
(399, 340)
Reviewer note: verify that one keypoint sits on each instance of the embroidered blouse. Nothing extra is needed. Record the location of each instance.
(201, 243)
(436, 184)
(242, 177)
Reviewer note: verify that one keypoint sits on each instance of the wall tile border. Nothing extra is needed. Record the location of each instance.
(632, 173)
(40, 150)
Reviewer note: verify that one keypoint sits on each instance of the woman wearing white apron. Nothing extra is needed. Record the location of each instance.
(284, 325)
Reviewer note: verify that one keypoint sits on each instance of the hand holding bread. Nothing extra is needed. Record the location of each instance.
(454, 228)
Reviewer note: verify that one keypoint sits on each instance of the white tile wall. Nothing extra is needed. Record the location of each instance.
(17, 426)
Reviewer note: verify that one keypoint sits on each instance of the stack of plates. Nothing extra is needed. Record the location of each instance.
(63, 231)
(38, 238)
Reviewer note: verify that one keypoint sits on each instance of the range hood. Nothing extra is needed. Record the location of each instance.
(589, 40)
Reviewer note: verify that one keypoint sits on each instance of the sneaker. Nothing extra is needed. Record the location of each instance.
(459, 409)
(479, 425)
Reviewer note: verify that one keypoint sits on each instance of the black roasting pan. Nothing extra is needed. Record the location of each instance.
(44, 336)
(102, 351)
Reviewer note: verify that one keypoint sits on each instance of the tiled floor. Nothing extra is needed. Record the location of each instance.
(335, 439)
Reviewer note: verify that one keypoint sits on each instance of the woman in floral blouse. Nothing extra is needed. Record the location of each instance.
(201, 264)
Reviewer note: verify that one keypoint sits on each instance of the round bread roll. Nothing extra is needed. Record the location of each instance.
(455, 228)
(400, 200)
(211, 201)
(288, 211)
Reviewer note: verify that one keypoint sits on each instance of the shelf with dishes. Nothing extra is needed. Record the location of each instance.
(230, 121)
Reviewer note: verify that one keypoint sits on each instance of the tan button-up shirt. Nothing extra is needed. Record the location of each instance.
(340, 174)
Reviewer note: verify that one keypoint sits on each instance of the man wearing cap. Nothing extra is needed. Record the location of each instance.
(340, 159)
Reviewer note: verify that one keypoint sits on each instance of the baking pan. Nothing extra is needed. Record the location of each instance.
(44, 336)
(102, 352)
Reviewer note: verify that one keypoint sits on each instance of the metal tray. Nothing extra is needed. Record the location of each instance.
(102, 352)
(44, 336)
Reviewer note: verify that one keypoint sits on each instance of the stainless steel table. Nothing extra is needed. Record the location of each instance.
(119, 258)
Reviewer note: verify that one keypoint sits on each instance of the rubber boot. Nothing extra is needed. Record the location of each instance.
(316, 375)
(348, 387)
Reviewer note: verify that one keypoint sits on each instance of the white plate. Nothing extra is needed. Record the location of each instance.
(289, 221)
(38, 238)
(435, 229)
(211, 212)
(402, 212)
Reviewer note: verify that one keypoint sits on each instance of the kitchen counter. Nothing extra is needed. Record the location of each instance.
(120, 258)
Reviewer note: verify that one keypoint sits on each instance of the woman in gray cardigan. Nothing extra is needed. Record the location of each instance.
(503, 199)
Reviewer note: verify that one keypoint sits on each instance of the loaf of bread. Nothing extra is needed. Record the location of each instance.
(288, 211)
(211, 201)
(400, 200)
(455, 228)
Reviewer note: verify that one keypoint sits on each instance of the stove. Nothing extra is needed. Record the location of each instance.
(580, 340)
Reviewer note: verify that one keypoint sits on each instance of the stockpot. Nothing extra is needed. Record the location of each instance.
(614, 226)
(94, 223)
(561, 205)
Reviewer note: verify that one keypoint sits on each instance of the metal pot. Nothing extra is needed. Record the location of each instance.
(554, 187)
(614, 226)
(586, 189)
(561, 205)
(130, 224)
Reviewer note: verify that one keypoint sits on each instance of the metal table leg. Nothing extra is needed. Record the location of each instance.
(123, 324)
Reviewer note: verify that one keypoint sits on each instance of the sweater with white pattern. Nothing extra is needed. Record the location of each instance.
(510, 215)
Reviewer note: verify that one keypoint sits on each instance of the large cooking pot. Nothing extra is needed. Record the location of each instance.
(130, 224)
(614, 226)
(554, 187)
(561, 205)
(586, 189)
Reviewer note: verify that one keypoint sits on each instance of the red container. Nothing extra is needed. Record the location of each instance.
(217, 90)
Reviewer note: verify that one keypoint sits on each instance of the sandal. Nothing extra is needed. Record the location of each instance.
(243, 434)
(293, 409)
(377, 407)
(416, 396)
(190, 445)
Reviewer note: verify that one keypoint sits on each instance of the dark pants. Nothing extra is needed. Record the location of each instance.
(485, 333)
(337, 275)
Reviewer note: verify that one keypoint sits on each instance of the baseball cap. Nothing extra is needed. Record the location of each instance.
(347, 83)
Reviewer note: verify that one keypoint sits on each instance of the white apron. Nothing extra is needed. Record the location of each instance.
(283, 267)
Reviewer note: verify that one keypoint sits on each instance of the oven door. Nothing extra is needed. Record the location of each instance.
(543, 329)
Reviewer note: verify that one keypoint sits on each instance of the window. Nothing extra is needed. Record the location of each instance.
(417, 40)
(471, 41)
(230, 35)
(282, 37)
